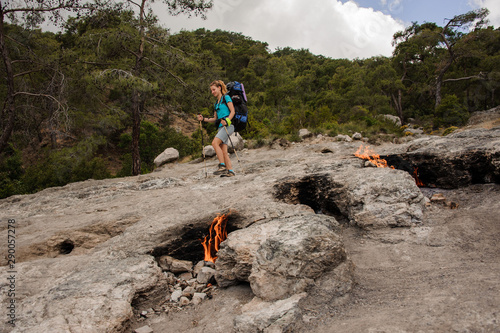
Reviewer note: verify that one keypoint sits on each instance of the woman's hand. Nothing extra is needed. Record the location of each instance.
(200, 117)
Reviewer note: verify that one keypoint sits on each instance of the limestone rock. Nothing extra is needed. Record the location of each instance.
(183, 301)
(235, 143)
(381, 197)
(143, 329)
(304, 133)
(302, 250)
(413, 131)
(483, 116)
(173, 265)
(342, 137)
(198, 298)
(458, 159)
(282, 257)
(83, 297)
(205, 275)
(396, 120)
(370, 198)
(209, 151)
(275, 317)
(357, 136)
(168, 155)
(176, 295)
(188, 292)
(280, 144)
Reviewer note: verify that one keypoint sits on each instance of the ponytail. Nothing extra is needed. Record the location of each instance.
(221, 84)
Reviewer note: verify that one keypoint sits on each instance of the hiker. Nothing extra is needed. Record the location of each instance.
(224, 113)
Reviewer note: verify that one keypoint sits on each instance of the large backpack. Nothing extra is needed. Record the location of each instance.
(236, 91)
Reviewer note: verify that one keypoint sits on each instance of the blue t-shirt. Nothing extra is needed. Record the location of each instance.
(222, 109)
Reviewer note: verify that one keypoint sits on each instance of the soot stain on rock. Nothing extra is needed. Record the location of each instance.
(316, 191)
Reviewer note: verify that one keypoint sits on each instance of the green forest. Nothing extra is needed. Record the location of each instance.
(96, 100)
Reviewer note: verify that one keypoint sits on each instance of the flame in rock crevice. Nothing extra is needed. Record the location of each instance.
(217, 234)
(417, 180)
(367, 153)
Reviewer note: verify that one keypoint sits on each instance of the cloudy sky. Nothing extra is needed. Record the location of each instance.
(333, 28)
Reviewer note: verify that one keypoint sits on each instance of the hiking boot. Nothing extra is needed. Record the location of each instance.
(228, 174)
(221, 169)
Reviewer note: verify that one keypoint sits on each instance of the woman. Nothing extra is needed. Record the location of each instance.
(224, 112)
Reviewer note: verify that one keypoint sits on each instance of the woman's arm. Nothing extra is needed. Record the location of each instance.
(207, 120)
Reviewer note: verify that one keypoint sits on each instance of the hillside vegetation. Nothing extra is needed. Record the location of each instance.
(76, 90)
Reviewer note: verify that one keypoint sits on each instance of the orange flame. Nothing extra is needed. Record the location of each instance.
(368, 154)
(415, 176)
(217, 234)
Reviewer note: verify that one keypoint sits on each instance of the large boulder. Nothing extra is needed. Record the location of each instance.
(282, 257)
(381, 197)
(396, 120)
(458, 159)
(304, 133)
(168, 155)
(87, 295)
(209, 151)
(236, 142)
(367, 197)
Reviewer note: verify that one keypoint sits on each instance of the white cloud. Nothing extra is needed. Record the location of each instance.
(494, 8)
(328, 27)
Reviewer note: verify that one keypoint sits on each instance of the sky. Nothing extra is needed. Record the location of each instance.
(332, 28)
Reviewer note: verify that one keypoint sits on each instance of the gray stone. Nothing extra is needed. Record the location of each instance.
(483, 116)
(209, 151)
(168, 155)
(205, 275)
(143, 329)
(357, 136)
(173, 265)
(176, 295)
(275, 317)
(188, 292)
(198, 298)
(304, 133)
(282, 257)
(342, 137)
(414, 131)
(236, 142)
(197, 268)
(396, 120)
(183, 301)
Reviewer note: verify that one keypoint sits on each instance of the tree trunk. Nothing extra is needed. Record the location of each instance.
(398, 105)
(136, 132)
(439, 81)
(9, 106)
(137, 102)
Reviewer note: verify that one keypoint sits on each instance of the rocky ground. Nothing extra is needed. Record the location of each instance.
(85, 252)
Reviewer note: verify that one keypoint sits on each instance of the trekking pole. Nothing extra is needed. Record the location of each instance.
(203, 150)
(239, 163)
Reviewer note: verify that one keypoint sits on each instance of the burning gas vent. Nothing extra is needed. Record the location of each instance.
(193, 240)
(477, 167)
(381, 162)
